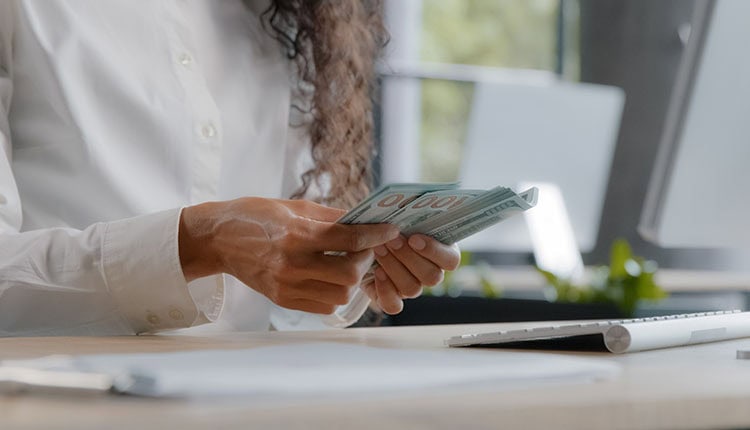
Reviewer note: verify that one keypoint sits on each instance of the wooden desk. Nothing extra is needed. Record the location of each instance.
(702, 386)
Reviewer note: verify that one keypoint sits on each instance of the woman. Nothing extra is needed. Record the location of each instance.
(132, 134)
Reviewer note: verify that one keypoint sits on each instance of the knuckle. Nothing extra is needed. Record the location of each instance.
(351, 275)
(410, 288)
(433, 278)
(456, 257)
(356, 239)
(342, 296)
(295, 233)
(281, 267)
(414, 294)
(359, 257)
(329, 309)
(453, 263)
(296, 230)
(414, 284)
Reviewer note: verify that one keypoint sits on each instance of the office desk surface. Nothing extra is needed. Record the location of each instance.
(702, 386)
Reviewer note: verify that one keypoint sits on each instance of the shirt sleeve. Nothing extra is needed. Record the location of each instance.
(141, 270)
(121, 277)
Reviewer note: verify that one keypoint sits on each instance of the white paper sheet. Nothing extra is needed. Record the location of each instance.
(322, 369)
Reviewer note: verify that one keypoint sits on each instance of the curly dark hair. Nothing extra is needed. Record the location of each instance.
(334, 44)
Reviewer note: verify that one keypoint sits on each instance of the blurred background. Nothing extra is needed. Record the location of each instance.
(594, 101)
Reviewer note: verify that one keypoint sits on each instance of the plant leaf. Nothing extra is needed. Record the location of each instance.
(550, 277)
(466, 257)
(488, 289)
(619, 254)
(647, 288)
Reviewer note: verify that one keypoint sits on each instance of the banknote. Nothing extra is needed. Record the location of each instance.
(441, 211)
(468, 225)
(478, 204)
(429, 205)
(388, 199)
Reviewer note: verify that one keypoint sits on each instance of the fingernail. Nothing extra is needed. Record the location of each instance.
(396, 243)
(417, 243)
(393, 233)
(399, 306)
(380, 274)
(380, 251)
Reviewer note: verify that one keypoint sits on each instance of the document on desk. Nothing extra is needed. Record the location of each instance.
(322, 369)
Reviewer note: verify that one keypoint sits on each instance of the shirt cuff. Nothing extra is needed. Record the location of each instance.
(142, 271)
(208, 296)
(283, 319)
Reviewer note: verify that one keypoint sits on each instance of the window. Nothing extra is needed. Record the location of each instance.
(445, 46)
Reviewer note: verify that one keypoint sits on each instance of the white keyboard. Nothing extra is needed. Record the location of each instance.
(620, 336)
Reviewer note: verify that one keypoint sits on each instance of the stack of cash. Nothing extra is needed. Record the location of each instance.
(441, 211)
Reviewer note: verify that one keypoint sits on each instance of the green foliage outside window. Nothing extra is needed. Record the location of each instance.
(497, 33)
(500, 33)
(628, 280)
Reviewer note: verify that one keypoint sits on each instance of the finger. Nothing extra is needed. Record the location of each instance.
(427, 272)
(369, 289)
(319, 291)
(315, 211)
(345, 269)
(403, 280)
(388, 298)
(446, 257)
(350, 238)
(308, 306)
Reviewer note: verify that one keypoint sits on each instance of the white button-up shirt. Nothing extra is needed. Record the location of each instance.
(114, 115)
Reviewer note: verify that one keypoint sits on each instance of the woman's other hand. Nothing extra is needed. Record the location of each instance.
(277, 247)
(408, 265)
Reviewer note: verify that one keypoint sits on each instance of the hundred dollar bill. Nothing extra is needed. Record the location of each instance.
(429, 205)
(438, 210)
(468, 225)
(479, 203)
(388, 199)
(531, 195)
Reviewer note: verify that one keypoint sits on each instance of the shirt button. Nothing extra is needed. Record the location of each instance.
(153, 319)
(185, 59)
(3, 200)
(208, 131)
(176, 314)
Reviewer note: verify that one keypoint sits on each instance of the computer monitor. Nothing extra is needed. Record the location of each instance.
(699, 195)
(563, 133)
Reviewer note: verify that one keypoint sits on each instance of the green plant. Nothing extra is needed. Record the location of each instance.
(451, 286)
(628, 280)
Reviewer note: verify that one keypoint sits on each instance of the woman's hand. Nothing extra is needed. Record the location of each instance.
(405, 266)
(277, 248)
